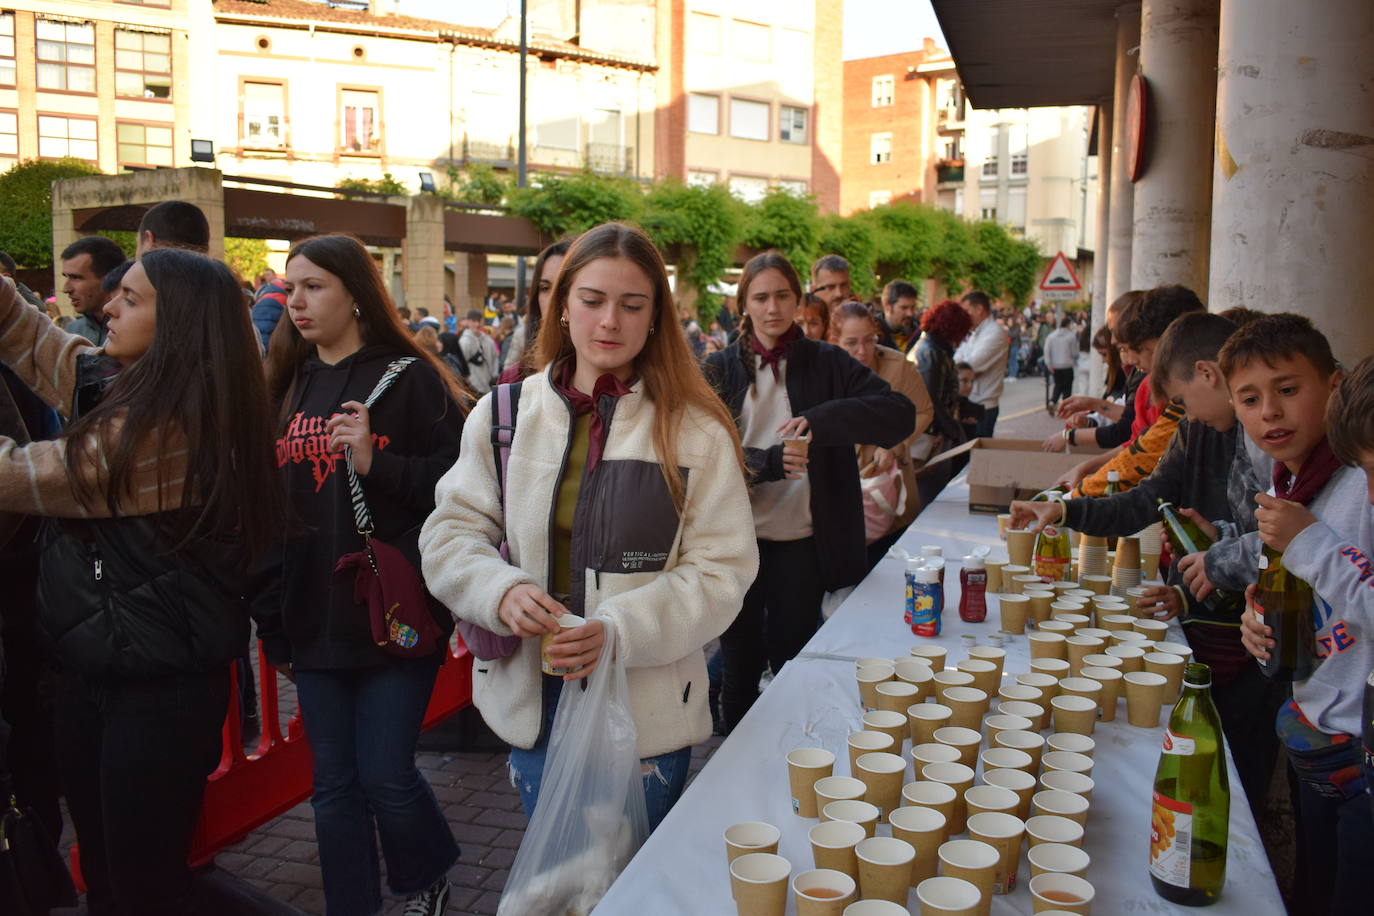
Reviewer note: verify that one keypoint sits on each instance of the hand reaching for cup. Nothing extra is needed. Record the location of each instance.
(795, 455)
(1035, 516)
(1162, 602)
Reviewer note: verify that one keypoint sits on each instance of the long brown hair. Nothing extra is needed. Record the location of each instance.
(672, 379)
(533, 318)
(378, 321)
(199, 387)
(767, 260)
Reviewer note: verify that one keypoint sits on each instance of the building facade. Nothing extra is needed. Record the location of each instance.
(750, 95)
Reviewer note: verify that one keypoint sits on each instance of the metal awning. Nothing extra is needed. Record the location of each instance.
(1030, 53)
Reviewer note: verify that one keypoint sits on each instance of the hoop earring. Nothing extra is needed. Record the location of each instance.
(357, 313)
(652, 329)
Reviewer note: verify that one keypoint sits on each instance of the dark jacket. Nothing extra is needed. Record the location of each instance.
(1119, 433)
(267, 310)
(306, 614)
(935, 361)
(845, 405)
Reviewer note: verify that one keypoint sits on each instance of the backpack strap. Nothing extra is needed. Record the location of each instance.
(362, 516)
(507, 406)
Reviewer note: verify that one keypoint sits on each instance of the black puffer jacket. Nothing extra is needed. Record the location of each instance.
(116, 603)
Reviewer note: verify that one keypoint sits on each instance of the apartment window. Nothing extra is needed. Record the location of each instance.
(883, 87)
(1016, 207)
(1018, 148)
(59, 137)
(264, 114)
(748, 189)
(880, 148)
(6, 49)
(879, 198)
(952, 99)
(143, 64)
(9, 133)
(703, 113)
(144, 144)
(990, 163)
(749, 120)
(987, 203)
(792, 125)
(66, 55)
(697, 178)
(794, 186)
(750, 41)
(703, 33)
(360, 120)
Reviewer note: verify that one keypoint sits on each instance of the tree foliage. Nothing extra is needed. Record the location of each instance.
(246, 256)
(387, 184)
(26, 201)
(700, 224)
(568, 204)
(1004, 266)
(477, 184)
(785, 222)
(854, 239)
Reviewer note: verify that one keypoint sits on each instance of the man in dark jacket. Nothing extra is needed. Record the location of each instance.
(897, 327)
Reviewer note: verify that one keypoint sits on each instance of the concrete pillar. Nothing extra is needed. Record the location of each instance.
(1102, 257)
(423, 253)
(1292, 223)
(1121, 203)
(470, 281)
(1173, 199)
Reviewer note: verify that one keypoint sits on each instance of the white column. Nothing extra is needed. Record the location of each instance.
(1101, 256)
(1173, 198)
(1293, 185)
(1121, 191)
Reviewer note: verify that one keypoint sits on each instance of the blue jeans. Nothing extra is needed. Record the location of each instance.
(665, 776)
(362, 725)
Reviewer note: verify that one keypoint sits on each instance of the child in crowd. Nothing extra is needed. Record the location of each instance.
(970, 414)
(1281, 373)
(1209, 470)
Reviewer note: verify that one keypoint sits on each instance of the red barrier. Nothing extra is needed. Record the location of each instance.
(248, 790)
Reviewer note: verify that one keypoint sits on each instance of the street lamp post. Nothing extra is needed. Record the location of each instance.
(520, 176)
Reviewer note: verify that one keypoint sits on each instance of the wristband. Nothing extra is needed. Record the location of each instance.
(1072, 437)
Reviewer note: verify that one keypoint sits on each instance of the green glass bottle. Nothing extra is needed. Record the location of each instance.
(1054, 492)
(1286, 602)
(1113, 484)
(1192, 799)
(1186, 537)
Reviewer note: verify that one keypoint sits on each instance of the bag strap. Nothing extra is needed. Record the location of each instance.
(362, 516)
(507, 404)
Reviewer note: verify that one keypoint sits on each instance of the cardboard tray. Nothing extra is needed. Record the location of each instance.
(1002, 470)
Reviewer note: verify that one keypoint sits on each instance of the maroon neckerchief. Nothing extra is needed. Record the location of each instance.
(582, 403)
(771, 357)
(1311, 477)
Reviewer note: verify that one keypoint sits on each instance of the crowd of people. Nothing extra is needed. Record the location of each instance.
(588, 452)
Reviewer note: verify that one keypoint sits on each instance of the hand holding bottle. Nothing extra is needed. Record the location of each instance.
(1253, 633)
(1281, 520)
(1193, 567)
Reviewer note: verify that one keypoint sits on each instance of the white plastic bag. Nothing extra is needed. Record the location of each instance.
(591, 818)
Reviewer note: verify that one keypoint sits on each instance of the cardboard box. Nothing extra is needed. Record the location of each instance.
(1001, 470)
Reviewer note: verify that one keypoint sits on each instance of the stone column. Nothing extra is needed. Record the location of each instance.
(1293, 184)
(1117, 241)
(1102, 257)
(423, 253)
(1173, 199)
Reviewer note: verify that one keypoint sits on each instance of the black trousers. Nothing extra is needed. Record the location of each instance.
(1063, 384)
(1248, 706)
(134, 756)
(782, 610)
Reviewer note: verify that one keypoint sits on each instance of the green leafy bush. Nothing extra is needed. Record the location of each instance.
(700, 225)
(785, 222)
(387, 184)
(568, 204)
(26, 201)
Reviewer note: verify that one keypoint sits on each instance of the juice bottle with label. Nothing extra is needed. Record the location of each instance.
(1192, 799)
(1285, 601)
(1051, 555)
(973, 589)
(927, 602)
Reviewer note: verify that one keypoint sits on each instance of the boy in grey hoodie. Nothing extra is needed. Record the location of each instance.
(1281, 372)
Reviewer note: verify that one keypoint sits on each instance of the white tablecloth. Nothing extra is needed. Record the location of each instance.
(814, 703)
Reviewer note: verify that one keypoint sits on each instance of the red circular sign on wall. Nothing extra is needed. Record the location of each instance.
(1137, 110)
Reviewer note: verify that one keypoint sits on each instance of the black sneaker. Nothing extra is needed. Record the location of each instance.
(432, 902)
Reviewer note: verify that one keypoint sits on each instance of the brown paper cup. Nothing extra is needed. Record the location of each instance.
(986, 676)
(1017, 781)
(1049, 892)
(1144, 696)
(1041, 604)
(994, 570)
(1006, 758)
(1038, 713)
(1058, 859)
(935, 752)
(883, 774)
(933, 654)
(837, 788)
(1047, 684)
(858, 812)
(1066, 781)
(986, 798)
(934, 795)
(805, 765)
(1128, 553)
(823, 892)
(1023, 583)
(924, 718)
(975, 862)
(1074, 714)
(991, 654)
(917, 673)
(832, 846)
(896, 696)
(1081, 686)
(1070, 743)
(959, 778)
(1080, 647)
(889, 723)
(1048, 645)
(866, 742)
(750, 836)
(944, 896)
(1020, 546)
(1169, 665)
(924, 829)
(1013, 611)
(1005, 723)
(1065, 760)
(967, 705)
(965, 741)
(1055, 667)
(869, 677)
(885, 868)
(1061, 804)
(1098, 585)
(1110, 679)
(565, 622)
(1009, 573)
(759, 884)
(1029, 742)
(1132, 657)
(1115, 621)
(1158, 630)
(1051, 828)
(1003, 832)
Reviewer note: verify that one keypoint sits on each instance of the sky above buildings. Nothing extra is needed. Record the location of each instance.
(871, 27)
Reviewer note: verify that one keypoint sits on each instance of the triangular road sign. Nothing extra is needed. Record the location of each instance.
(1059, 276)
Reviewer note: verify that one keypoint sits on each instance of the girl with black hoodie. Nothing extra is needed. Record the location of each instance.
(362, 707)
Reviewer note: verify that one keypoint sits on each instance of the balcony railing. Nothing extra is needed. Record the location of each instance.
(949, 173)
(490, 151)
(610, 158)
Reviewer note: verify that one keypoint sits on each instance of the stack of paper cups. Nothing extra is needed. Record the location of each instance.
(1092, 556)
(1151, 545)
(1126, 572)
